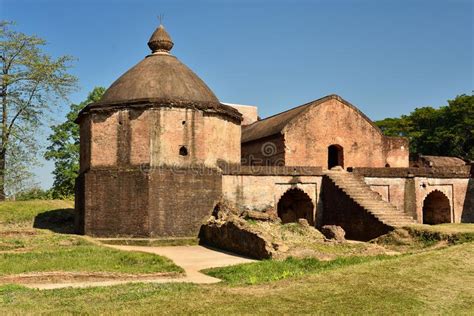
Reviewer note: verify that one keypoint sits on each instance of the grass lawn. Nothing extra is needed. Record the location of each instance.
(23, 213)
(41, 251)
(24, 249)
(433, 282)
(454, 233)
(436, 275)
(269, 270)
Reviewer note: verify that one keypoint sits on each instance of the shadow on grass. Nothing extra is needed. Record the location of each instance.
(58, 221)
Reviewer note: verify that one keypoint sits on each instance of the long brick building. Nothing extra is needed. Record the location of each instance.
(159, 150)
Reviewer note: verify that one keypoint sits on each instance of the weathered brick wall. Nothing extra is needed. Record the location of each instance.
(342, 211)
(249, 112)
(154, 136)
(103, 140)
(258, 192)
(154, 203)
(79, 200)
(268, 151)
(396, 151)
(180, 199)
(391, 189)
(437, 172)
(116, 203)
(407, 188)
(140, 133)
(467, 215)
(307, 139)
(207, 138)
(458, 191)
(85, 145)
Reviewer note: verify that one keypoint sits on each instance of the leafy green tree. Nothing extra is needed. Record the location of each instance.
(64, 148)
(31, 84)
(447, 131)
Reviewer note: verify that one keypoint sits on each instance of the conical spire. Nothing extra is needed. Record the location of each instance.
(160, 41)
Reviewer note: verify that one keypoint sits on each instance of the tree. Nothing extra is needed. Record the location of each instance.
(64, 148)
(32, 83)
(447, 131)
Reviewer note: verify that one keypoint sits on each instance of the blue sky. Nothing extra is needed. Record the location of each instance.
(386, 57)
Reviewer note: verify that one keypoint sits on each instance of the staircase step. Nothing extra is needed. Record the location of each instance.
(361, 193)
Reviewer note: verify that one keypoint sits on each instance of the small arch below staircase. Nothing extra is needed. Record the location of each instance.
(295, 204)
(436, 208)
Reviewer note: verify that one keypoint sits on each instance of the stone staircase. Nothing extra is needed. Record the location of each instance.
(357, 190)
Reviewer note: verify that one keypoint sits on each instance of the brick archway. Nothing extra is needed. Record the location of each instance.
(295, 204)
(436, 208)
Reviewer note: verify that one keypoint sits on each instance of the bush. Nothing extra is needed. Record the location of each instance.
(33, 194)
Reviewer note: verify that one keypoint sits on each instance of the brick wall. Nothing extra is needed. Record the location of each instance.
(268, 151)
(137, 203)
(308, 137)
(180, 199)
(116, 203)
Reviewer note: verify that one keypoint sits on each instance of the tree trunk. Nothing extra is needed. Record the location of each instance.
(2, 176)
(4, 138)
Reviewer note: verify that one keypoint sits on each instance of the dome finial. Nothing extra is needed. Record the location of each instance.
(160, 41)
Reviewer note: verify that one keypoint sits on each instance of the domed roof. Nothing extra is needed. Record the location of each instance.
(160, 76)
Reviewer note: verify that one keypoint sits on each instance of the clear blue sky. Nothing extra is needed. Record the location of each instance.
(386, 57)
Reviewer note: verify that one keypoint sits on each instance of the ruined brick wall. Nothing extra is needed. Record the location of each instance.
(268, 151)
(307, 139)
(339, 209)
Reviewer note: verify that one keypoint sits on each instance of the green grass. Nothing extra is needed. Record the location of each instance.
(44, 251)
(435, 281)
(432, 282)
(25, 250)
(24, 212)
(270, 270)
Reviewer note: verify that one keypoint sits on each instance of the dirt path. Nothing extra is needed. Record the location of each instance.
(191, 258)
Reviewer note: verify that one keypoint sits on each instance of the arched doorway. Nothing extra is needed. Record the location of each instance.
(335, 156)
(295, 204)
(436, 209)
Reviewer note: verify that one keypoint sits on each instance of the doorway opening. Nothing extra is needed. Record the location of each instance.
(295, 204)
(335, 156)
(436, 209)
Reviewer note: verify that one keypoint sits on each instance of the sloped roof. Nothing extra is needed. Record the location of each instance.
(275, 124)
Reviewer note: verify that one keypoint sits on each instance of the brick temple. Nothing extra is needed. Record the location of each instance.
(159, 150)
